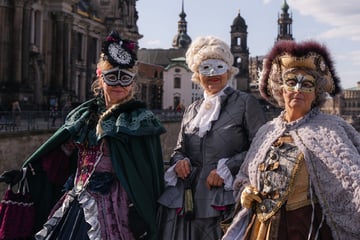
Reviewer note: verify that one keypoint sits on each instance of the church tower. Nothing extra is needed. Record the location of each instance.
(182, 39)
(240, 51)
(285, 24)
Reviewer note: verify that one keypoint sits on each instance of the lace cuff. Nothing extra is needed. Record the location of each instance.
(225, 173)
(170, 175)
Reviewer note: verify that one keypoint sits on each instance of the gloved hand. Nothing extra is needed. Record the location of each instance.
(248, 196)
(11, 177)
(137, 225)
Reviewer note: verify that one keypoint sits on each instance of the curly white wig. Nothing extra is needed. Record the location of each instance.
(208, 47)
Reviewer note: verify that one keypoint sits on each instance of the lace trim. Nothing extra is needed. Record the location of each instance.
(126, 120)
(90, 213)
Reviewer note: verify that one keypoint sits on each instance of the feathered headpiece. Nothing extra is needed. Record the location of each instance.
(289, 54)
(119, 52)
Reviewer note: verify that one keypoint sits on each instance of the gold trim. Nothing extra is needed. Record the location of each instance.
(297, 205)
(263, 218)
(312, 61)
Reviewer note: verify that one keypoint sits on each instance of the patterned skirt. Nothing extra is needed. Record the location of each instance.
(72, 226)
(90, 215)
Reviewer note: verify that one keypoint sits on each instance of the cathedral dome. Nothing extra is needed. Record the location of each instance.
(181, 40)
(239, 24)
(239, 21)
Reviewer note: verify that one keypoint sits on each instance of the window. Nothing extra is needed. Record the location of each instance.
(177, 82)
(77, 84)
(238, 41)
(93, 50)
(35, 32)
(37, 26)
(79, 43)
(238, 61)
(195, 86)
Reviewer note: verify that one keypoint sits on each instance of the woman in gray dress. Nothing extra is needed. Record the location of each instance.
(215, 134)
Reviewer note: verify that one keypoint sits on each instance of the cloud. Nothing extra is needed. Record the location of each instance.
(349, 32)
(342, 16)
(355, 57)
(352, 56)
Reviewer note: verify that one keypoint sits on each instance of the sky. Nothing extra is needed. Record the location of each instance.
(336, 23)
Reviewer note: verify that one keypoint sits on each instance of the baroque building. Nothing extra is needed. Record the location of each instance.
(49, 49)
(285, 24)
(350, 101)
(284, 33)
(179, 90)
(347, 105)
(174, 89)
(177, 87)
(240, 50)
(150, 84)
(182, 39)
(256, 63)
(350, 105)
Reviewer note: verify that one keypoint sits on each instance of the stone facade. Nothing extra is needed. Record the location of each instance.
(150, 84)
(49, 49)
(179, 90)
(347, 105)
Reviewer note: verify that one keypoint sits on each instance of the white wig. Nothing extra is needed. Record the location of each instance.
(208, 47)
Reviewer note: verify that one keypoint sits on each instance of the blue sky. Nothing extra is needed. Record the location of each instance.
(335, 23)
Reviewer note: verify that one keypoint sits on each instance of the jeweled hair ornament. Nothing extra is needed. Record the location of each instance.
(119, 52)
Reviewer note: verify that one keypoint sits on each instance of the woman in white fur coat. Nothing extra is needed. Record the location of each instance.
(301, 176)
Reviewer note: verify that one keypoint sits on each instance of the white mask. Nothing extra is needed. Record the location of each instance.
(213, 67)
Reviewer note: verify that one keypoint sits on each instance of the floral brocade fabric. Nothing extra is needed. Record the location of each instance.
(277, 174)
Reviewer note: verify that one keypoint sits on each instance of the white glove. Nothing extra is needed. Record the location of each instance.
(248, 196)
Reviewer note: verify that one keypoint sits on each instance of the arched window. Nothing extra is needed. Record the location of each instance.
(238, 41)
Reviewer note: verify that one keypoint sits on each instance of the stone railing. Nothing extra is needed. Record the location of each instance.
(43, 120)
